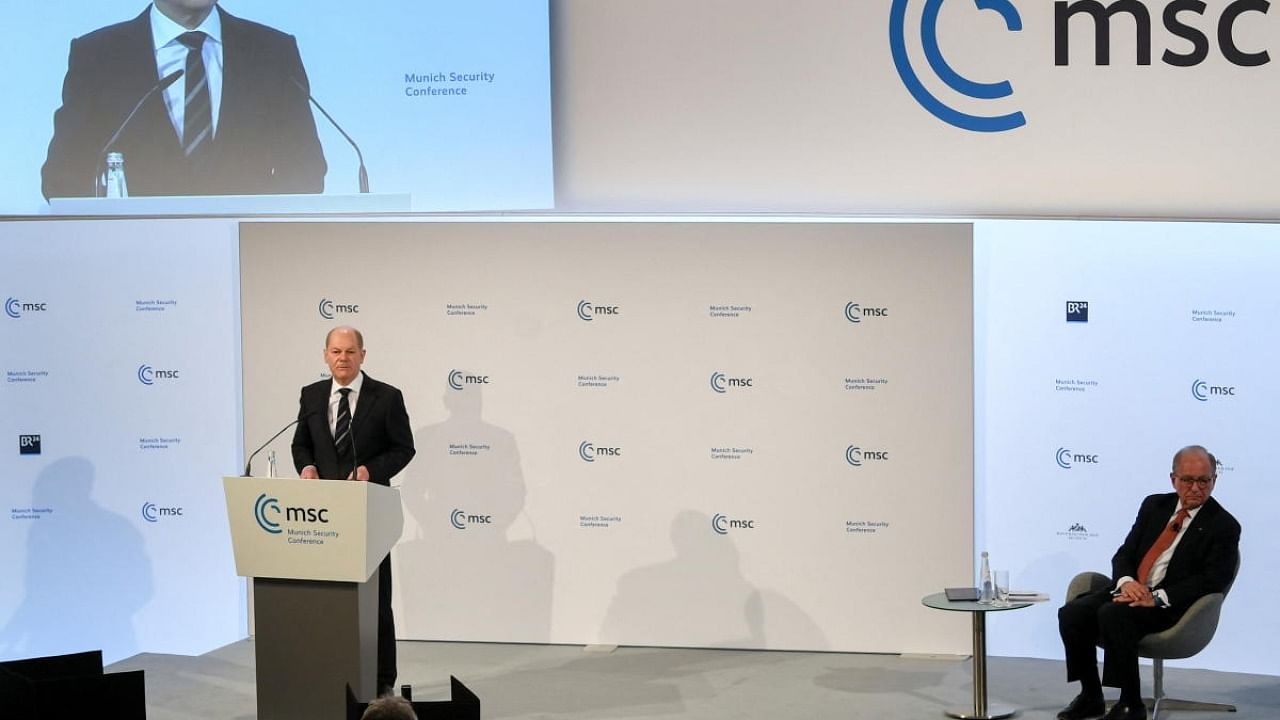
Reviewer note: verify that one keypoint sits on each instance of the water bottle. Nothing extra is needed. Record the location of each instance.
(117, 187)
(984, 585)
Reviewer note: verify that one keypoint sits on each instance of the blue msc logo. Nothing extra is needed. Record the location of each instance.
(148, 375)
(152, 514)
(13, 307)
(1066, 459)
(1202, 391)
(260, 509)
(940, 67)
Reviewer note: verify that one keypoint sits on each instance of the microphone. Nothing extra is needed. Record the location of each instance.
(160, 86)
(364, 173)
(254, 454)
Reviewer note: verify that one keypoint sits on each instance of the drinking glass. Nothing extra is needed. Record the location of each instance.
(1002, 587)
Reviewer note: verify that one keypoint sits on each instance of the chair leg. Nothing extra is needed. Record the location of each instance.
(1160, 704)
(1172, 704)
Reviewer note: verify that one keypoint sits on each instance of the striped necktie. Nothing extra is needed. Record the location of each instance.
(197, 114)
(342, 432)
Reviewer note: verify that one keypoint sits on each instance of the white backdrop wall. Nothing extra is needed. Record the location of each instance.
(796, 105)
(597, 486)
(119, 350)
(1174, 311)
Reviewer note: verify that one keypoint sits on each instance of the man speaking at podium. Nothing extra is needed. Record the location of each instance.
(235, 122)
(355, 428)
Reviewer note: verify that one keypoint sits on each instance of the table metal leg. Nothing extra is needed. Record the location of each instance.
(981, 710)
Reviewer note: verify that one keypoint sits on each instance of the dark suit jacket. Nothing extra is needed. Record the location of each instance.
(379, 429)
(266, 136)
(1203, 562)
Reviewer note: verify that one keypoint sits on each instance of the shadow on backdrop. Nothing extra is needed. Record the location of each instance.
(462, 574)
(700, 598)
(87, 573)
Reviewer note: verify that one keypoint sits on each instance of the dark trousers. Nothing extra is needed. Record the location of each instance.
(1094, 618)
(386, 628)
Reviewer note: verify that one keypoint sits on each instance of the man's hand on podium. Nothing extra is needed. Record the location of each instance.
(361, 473)
(309, 473)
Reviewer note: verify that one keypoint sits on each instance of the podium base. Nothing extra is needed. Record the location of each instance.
(312, 639)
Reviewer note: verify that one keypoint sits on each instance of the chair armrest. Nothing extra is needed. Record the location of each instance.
(1086, 582)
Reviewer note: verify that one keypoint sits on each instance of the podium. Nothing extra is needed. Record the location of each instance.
(312, 548)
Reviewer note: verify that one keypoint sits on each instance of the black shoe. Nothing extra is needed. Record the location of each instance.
(1127, 711)
(1083, 708)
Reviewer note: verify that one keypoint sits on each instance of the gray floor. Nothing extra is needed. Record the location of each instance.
(539, 682)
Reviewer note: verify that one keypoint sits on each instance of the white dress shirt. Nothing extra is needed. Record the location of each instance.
(352, 398)
(171, 55)
(1161, 564)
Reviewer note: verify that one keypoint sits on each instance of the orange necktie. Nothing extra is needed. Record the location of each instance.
(1162, 543)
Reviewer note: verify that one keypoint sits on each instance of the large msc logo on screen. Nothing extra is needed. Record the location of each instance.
(939, 66)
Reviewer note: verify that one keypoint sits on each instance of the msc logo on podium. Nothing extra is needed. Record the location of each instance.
(266, 510)
(939, 66)
(264, 505)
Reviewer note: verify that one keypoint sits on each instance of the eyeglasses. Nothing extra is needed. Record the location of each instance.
(1189, 480)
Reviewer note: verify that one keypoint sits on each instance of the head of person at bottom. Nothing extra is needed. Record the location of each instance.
(389, 707)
